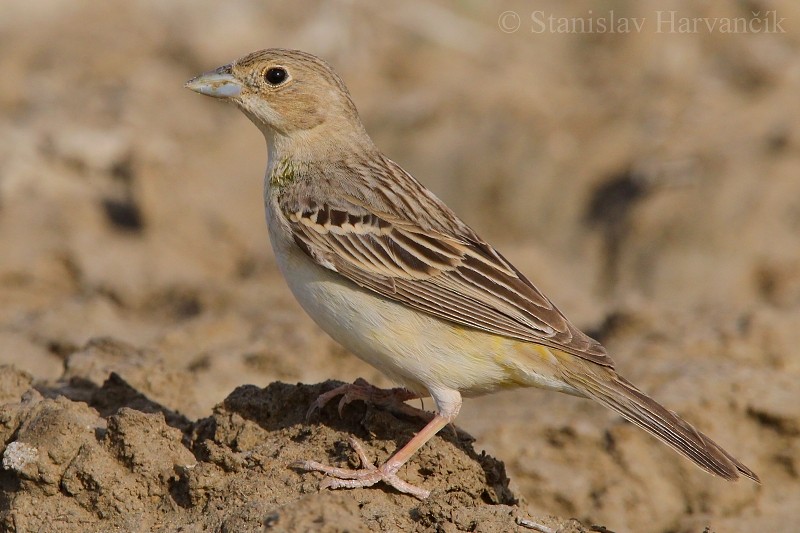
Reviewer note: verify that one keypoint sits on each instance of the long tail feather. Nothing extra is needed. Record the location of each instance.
(623, 397)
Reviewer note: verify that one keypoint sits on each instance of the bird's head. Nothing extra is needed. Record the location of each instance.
(286, 93)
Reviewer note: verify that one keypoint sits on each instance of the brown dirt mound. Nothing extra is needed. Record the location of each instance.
(86, 458)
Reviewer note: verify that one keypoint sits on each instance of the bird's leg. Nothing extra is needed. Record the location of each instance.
(369, 474)
(392, 400)
(448, 405)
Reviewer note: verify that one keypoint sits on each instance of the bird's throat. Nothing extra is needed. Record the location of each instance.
(283, 173)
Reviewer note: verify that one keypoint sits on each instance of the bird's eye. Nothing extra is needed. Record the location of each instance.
(276, 75)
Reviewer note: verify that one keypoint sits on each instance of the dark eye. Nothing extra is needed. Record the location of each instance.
(276, 75)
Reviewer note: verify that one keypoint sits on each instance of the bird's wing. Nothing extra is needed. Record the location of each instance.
(454, 277)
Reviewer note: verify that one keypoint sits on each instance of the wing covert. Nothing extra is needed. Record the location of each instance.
(456, 278)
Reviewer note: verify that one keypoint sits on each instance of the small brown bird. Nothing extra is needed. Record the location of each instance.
(391, 273)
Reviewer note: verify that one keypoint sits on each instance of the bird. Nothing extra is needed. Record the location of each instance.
(391, 273)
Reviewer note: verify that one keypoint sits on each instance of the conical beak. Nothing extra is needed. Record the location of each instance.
(218, 83)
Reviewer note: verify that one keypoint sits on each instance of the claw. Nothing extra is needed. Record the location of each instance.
(344, 401)
(366, 476)
(369, 474)
(360, 389)
(362, 456)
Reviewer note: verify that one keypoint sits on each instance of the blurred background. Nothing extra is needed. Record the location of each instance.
(647, 180)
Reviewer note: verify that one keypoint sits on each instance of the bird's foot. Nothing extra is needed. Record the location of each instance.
(392, 400)
(366, 476)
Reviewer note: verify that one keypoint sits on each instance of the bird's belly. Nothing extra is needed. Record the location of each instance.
(412, 348)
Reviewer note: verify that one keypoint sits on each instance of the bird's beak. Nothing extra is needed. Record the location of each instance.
(218, 83)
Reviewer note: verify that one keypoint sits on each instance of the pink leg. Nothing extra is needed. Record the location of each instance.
(448, 404)
(390, 399)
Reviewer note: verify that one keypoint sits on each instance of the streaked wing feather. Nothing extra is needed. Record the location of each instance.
(455, 278)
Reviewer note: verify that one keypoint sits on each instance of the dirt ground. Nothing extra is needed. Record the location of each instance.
(648, 182)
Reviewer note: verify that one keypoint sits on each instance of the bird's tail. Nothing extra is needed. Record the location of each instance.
(622, 396)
